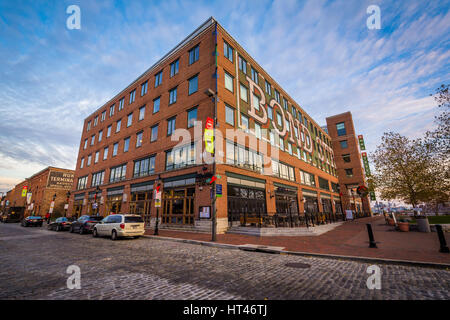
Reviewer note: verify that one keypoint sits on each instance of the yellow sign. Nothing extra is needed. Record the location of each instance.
(209, 140)
(24, 191)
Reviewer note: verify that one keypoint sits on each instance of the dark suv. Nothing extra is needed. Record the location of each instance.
(85, 224)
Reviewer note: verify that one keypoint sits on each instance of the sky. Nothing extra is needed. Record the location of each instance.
(321, 52)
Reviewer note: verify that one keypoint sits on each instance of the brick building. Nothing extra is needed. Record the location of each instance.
(41, 188)
(348, 161)
(273, 162)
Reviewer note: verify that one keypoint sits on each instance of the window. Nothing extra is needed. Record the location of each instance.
(255, 76)
(229, 115)
(156, 104)
(346, 157)
(108, 132)
(344, 144)
(95, 121)
(229, 82)
(105, 153)
(88, 127)
(154, 134)
(158, 79)
(103, 116)
(335, 187)
(82, 163)
(82, 183)
(281, 143)
(244, 93)
(144, 167)
(118, 123)
(171, 126)
(282, 170)
(97, 178)
(192, 117)
(242, 65)
(193, 54)
(92, 139)
(268, 88)
(285, 104)
(256, 101)
(173, 95)
(290, 148)
(323, 184)
(97, 154)
(257, 130)
(141, 113)
(130, 120)
(243, 157)
(244, 121)
(174, 68)
(279, 119)
(349, 172)
(118, 173)
(85, 144)
(139, 139)
(180, 157)
(89, 160)
(270, 112)
(193, 84)
(126, 144)
(111, 110)
(144, 88)
(307, 178)
(100, 135)
(341, 129)
(132, 96)
(277, 96)
(115, 148)
(121, 103)
(228, 51)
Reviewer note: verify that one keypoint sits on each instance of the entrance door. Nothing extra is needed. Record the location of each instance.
(141, 204)
(178, 206)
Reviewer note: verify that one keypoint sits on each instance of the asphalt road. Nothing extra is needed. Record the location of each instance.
(34, 262)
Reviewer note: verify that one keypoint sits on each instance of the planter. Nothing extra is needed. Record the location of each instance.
(422, 224)
(391, 222)
(403, 226)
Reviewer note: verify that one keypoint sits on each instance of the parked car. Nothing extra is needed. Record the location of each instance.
(35, 221)
(11, 217)
(84, 224)
(120, 225)
(60, 224)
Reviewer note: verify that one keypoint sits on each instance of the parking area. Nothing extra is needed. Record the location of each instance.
(34, 261)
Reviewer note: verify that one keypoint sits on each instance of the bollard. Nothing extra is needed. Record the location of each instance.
(442, 241)
(372, 243)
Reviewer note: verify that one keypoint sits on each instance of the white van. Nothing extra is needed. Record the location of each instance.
(120, 225)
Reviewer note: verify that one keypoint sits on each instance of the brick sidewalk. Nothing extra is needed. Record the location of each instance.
(349, 239)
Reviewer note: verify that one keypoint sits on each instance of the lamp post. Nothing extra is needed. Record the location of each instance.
(158, 188)
(67, 203)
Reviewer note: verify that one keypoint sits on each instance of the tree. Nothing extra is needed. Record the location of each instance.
(439, 139)
(403, 169)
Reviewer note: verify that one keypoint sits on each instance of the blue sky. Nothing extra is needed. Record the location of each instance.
(320, 52)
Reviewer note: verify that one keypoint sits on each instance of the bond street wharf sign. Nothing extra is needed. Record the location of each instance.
(61, 180)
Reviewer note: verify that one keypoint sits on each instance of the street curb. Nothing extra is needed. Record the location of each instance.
(305, 254)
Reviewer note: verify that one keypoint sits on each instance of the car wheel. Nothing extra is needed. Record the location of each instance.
(81, 231)
(114, 235)
(71, 229)
(94, 233)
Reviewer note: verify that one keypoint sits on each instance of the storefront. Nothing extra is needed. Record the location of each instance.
(311, 205)
(326, 203)
(246, 200)
(141, 200)
(114, 200)
(78, 205)
(286, 205)
(178, 200)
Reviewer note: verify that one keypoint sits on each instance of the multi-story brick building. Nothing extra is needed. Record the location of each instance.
(348, 161)
(272, 158)
(41, 189)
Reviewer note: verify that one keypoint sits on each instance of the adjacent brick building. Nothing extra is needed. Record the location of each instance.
(274, 161)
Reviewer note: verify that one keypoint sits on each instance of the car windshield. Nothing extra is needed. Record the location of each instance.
(133, 219)
(34, 218)
(95, 218)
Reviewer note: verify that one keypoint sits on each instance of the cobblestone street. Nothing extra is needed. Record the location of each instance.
(33, 263)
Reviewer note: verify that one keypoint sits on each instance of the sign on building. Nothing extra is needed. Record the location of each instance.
(209, 135)
(60, 180)
(24, 191)
(362, 146)
(366, 164)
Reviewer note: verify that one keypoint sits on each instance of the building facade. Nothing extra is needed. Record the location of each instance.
(34, 195)
(271, 158)
(348, 161)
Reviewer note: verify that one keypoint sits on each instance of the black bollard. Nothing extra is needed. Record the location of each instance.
(372, 243)
(444, 248)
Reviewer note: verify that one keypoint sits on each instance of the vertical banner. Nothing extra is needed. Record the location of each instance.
(209, 135)
(362, 146)
(24, 191)
(366, 164)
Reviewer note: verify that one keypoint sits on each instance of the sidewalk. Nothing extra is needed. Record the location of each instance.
(349, 239)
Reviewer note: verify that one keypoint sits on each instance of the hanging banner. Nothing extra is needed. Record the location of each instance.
(362, 146)
(24, 191)
(28, 197)
(158, 199)
(209, 135)
(366, 163)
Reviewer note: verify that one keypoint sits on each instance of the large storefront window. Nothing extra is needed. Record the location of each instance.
(113, 204)
(141, 203)
(245, 204)
(282, 170)
(178, 205)
(286, 206)
(326, 205)
(180, 157)
(243, 157)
